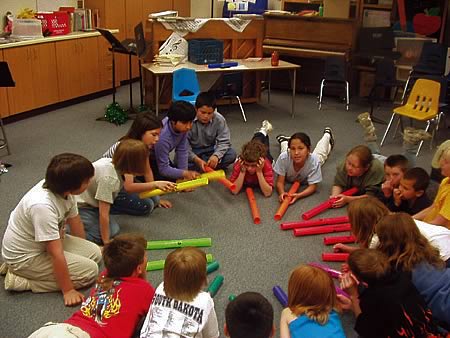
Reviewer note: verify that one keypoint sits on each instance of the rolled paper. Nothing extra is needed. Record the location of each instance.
(231, 297)
(325, 229)
(159, 265)
(339, 239)
(253, 206)
(339, 291)
(213, 266)
(334, 257)
(280, 295)
(285, 204)
(314, 222)
(327, 204)
(180, 187)
(332, 272)
(227, 183)
(215, 285)
(178, 243)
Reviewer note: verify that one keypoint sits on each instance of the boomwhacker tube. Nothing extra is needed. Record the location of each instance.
(199, 182)
(332, 272)
(280, 295)
(226, 183)
(213, 266)
(334, 257)
(314, 222)
(285, 204)
(178, 243)
(215, 285)
(339, 239)
(327, 204)
(324, 229)
(214, 175)
(159, 265)
(253, 206)
(339, 291)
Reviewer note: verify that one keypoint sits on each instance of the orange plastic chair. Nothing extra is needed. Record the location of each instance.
(422, 105)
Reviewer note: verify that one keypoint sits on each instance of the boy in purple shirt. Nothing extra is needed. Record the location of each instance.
(174, 137)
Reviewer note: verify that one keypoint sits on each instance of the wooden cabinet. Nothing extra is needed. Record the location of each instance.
(4, 106)
(78, 67)
(34, 71)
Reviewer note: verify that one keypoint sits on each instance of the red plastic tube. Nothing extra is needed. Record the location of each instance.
(226, 183)
(339, 239)
(285, 204)
(313, 222)
(334, 257)
(327, 204)
(253, 205)
(326, 229)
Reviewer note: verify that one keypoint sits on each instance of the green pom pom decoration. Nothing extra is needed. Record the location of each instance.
(115, 114)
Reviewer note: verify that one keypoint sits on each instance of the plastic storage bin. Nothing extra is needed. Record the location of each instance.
(26, 29)
(204, 51)
(56, 23)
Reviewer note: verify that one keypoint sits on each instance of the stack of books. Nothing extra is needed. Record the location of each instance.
(169, 60)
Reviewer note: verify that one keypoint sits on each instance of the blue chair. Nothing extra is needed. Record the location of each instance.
(184, 83)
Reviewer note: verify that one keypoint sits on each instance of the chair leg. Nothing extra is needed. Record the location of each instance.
(421, 142)
(322, 84)
(242, 109)
(347, 91)
(3, 139)
(387, 129)
(405, 90)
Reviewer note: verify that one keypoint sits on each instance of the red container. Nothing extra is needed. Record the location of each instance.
(56, 23)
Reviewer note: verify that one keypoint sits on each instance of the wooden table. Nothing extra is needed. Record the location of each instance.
(245, 65)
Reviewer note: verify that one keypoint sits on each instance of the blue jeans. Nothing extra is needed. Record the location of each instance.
(90, 218)
(205, 153)
(131, 204)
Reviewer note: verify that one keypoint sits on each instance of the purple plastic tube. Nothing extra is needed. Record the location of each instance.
(281, 295)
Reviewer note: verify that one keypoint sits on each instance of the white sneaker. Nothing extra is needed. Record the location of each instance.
(3, 269)
(16, 283)
(266, 126)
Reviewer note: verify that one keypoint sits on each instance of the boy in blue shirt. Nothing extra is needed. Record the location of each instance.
(173, 137)
(209, 137)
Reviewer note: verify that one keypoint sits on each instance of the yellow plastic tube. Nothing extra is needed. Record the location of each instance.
(180, 187)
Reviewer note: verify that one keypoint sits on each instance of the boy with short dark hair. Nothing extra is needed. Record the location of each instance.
(410, 196)
(249, 315)
(119, 300)
(209, 137)
(394, 168)
(38, 255)
(174, 137)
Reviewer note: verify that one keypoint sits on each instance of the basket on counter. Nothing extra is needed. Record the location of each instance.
(205, 51)
(55, 23)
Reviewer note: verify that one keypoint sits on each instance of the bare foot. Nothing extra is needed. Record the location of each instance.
(165, 204)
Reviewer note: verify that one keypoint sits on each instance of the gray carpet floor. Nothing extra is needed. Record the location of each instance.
(252, 257)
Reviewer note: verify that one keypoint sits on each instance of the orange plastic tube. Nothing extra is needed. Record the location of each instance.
(226, 183)
(285, 204)
(253, 206)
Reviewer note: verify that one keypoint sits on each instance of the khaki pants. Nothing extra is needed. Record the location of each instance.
(55, 330)
(82, 259)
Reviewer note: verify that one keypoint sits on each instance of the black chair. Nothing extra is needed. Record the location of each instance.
(385, 79)
(431, 65)
(231, 88)
(334, 76)
(375, 43)
(6, 80)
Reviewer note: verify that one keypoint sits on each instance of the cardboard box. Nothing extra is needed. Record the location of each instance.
(366, 82)
(336, 9)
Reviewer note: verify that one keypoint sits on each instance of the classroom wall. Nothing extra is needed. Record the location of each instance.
(14, 6)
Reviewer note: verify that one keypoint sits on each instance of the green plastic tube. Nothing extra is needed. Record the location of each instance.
(213, 266)
(215, 285)
(159, 265)
(179, 243)
(231, 297)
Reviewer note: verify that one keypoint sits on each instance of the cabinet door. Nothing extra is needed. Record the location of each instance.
(68, 75)
(88, 66)
(34, 71)
(4, 105)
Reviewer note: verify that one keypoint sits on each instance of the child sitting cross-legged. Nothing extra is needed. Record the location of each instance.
(411, 196)
(38, 255)
(249, 315)
(390, 305)
(312, 303)
(180, 308)
(119, 300)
